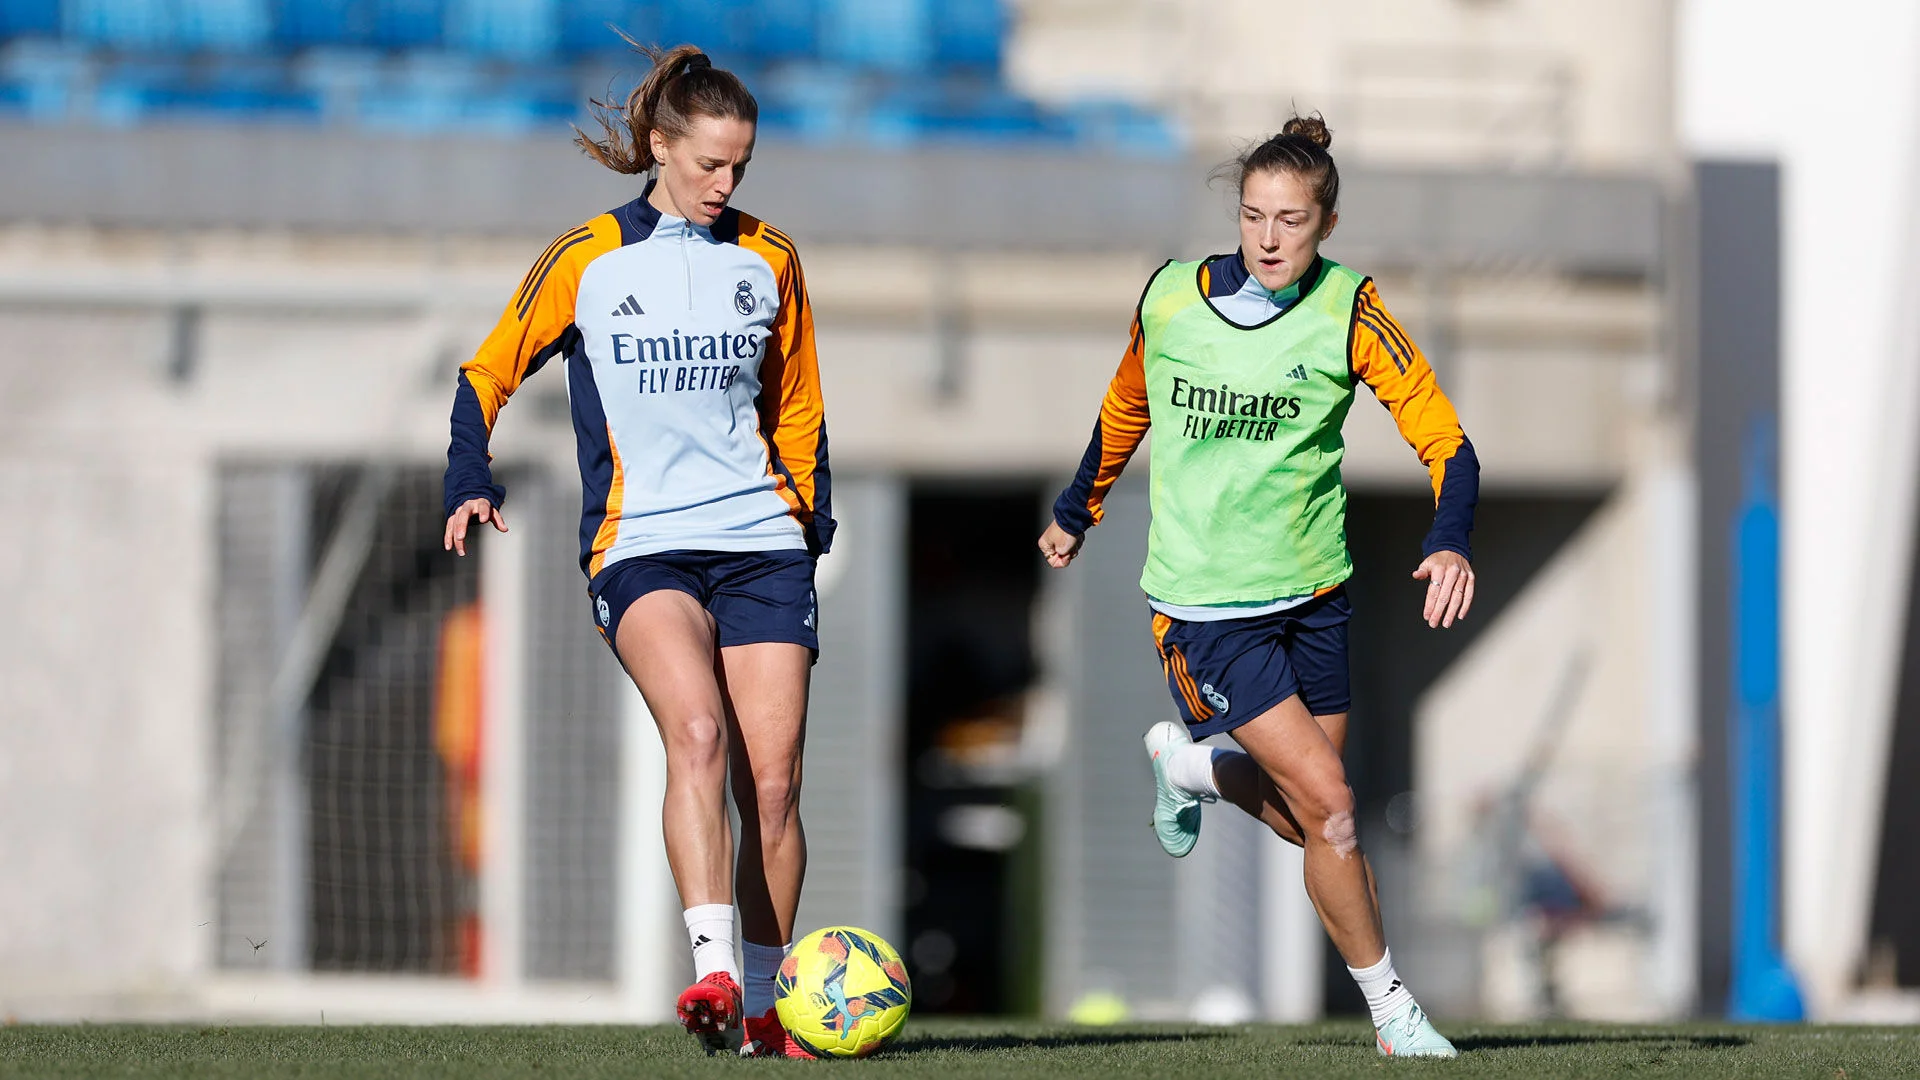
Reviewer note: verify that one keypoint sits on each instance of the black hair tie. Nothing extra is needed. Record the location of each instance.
(696, 62)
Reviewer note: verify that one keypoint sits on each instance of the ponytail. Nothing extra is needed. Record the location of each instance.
(682, 86)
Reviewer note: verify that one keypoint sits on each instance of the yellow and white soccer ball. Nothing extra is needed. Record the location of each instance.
(842, 992)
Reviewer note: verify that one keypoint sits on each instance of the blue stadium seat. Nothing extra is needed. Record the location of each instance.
(891, 71)
(23, 18)
(127, 25)
(786, 29)
(1124, 128)
(303, 24)
(724, 28)
(143, 89)
(339, 78)
(963, 112)
(885, 35)
(225, 26)
(584, 25)
(407, 24)
(444, 92)
(810, 101)
(43, 77)
(526, 31)
(968, 34)
(246, 89)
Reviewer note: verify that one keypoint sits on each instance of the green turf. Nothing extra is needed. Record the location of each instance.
(980, 1048)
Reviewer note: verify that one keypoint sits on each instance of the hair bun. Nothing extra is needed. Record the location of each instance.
(1311, 128)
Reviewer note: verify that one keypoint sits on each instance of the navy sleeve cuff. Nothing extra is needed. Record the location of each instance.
(1071, 511)
(1453, 511)
(469, 474)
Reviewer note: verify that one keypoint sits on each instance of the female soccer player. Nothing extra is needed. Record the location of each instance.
(1244, 366)
(695, 392)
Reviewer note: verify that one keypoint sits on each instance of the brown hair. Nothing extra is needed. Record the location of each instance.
(682, 86)
(1300, 149)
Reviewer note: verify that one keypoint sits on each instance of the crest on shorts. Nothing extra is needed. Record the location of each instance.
(743, 298)
(1215, 698)
(606, 613)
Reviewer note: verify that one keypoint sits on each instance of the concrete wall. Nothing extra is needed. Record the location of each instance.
(105, 790)
(1404, 81)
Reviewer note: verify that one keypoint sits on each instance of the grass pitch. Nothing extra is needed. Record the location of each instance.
(940, 1048)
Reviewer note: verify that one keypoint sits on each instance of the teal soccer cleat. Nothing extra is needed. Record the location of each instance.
(1408, 1033)
(1176, 814)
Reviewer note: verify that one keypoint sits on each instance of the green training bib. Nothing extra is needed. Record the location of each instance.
(1246, 492)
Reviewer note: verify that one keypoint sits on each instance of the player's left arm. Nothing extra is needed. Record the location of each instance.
(793, 417)
(1386, 359)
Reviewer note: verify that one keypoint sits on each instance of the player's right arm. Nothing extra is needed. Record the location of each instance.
(1116, 435)
(536, 326)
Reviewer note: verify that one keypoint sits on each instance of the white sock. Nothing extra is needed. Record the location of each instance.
(1191, 770)
(710, 929)
(763, 963)
(1386, 994)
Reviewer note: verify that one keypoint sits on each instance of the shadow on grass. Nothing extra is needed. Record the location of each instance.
(1597, 1038)
(1043, 1042)
(1691, 1042)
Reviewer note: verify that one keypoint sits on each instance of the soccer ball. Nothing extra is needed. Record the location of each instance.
(842, 992)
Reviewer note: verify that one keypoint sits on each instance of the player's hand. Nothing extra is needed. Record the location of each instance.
(477, 509)
(1449, 579)
(1059, 545)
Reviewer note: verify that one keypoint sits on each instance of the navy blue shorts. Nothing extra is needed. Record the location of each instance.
(753, 596)
(1223, 674)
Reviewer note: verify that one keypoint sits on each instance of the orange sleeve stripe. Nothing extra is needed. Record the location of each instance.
(609, 530)
(1124, 419)
(545, 262)
(1386, 359)
(537, 317)
(792, 408)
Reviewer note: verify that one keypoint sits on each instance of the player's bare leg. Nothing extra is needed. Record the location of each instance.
(666, 641)
(1244, 784)
(1301, 761)
(765, 688)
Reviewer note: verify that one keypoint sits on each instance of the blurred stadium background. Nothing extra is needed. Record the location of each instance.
(267, 753)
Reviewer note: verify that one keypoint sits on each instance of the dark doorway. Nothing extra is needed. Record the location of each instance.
(973, 912)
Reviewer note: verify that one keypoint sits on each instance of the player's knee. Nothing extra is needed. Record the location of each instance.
(1329, 814)
(698, 743)
(777, 792)
(1341, 834)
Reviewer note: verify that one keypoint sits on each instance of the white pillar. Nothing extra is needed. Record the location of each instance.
(1290, 936)
(648, 907)
(503, 766)
(1669, 509)
(286, 802)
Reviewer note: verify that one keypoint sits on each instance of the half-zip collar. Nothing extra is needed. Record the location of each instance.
(641, 220)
